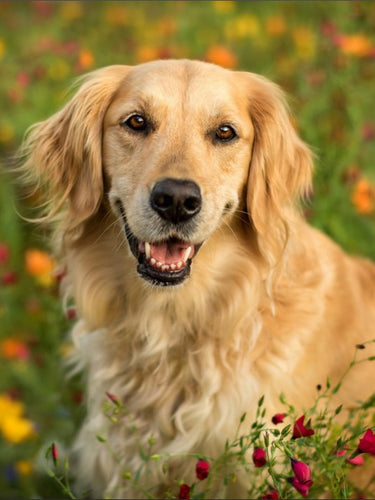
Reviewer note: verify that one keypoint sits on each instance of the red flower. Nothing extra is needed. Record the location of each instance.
(271, 495)
(301, 481)
(55, 453)
(113, 398)
(278, 418)
(302, 488)
(299, 430)
(201, 469)
(367, 443)
(259, 457)
(301, 470)
(4, 253)
(9, 278)
(184, 492)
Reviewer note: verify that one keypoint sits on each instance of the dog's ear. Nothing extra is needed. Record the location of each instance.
(64, 152)
(280, 170)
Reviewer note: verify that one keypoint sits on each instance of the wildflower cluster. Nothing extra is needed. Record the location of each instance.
(310, 456)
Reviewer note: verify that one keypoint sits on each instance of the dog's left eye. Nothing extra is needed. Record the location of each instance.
(136, 122)
(225, 133)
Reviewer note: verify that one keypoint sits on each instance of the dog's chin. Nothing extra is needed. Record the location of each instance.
(164, 263)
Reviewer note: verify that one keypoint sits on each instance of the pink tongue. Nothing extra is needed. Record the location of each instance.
(170, 252)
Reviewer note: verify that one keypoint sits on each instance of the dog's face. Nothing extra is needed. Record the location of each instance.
(176, 150)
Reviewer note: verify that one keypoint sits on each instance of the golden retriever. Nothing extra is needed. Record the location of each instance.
(199, 286)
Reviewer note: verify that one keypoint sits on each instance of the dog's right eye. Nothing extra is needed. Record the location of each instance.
(136, 122)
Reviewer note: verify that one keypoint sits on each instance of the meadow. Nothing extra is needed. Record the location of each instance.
(323, 55)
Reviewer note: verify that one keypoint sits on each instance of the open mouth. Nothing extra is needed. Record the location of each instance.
(162, 263)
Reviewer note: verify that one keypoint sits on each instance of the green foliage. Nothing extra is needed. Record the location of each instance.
(321, 53)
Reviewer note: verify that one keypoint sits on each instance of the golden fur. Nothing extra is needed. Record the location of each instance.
(272, 305)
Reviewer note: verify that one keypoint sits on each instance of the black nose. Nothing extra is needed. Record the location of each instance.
(176, 200)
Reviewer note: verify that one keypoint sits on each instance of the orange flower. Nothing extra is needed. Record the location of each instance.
(222, 56)
(14, 349)
(355, 45)
(275, 26)
(117, 15)
(85, 59)
(40, 265)
(146, 53)
(363, 197)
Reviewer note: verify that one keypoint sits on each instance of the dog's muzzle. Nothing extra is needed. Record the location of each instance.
(167, 262)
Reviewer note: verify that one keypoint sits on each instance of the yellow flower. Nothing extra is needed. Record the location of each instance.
(16, 429)
(224, 6)
(24, 467)
(70, 11)
(2, 48)
(6, 132)
(242, 27)
(40, 265)
(59, 69)
(9, 407)
(13, 425)
(305, 42)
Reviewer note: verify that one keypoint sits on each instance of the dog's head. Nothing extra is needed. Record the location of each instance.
(176, 149)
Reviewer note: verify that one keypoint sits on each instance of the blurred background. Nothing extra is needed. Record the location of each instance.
(321, 53)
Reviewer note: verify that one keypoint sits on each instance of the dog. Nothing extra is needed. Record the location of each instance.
(175, 191)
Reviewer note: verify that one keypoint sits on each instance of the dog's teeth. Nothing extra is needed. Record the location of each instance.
(152, 261)
(158, 264)
(173, 267)
(147, 250)
(179, 265)
(186, 254)
(165, 267)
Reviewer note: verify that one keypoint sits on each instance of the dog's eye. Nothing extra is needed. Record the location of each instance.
(136, 122)
(225, 133)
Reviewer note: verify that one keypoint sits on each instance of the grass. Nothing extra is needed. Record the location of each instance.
(321, 53)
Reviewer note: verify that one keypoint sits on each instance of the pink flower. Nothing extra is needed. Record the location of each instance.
(301, 481)
(271, 495)
(299, 430)
(201, 469)
(357, 460)
(259, 457)
(367, 443)
(278, 418)
(184, 493)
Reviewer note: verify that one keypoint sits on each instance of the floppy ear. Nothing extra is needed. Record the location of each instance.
(280, 170)
(64, 152)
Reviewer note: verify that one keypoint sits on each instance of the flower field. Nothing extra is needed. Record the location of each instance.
(323, 55)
